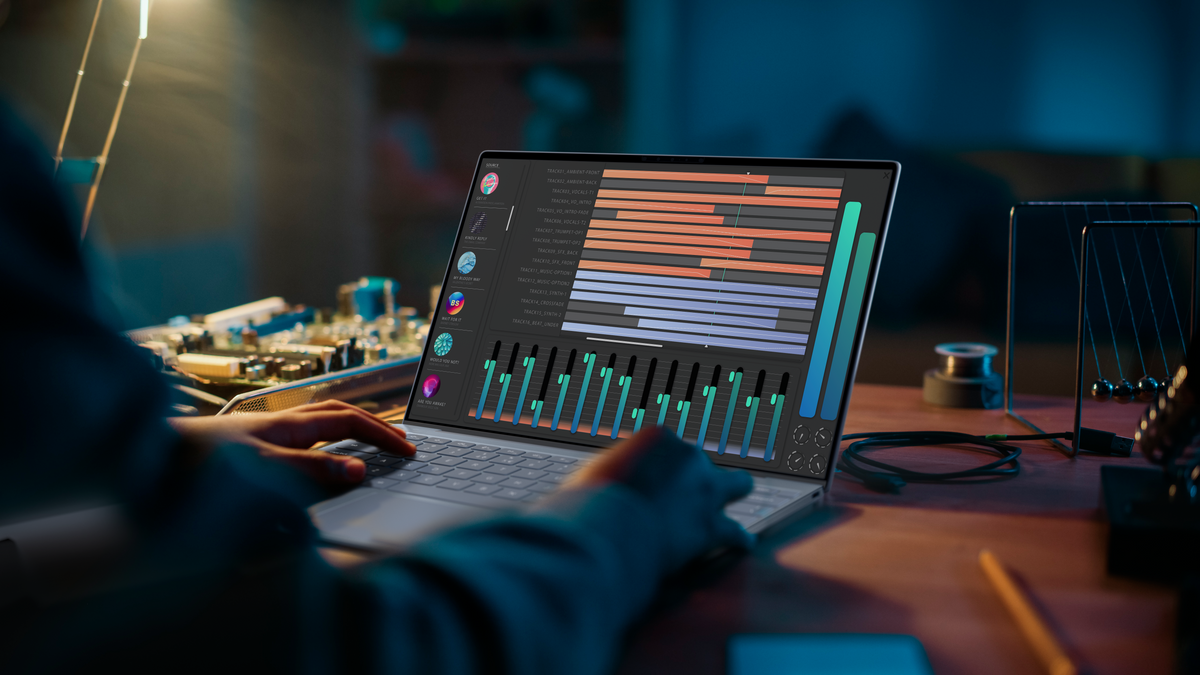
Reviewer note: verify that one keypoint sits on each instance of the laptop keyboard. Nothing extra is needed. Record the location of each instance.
(493, 476)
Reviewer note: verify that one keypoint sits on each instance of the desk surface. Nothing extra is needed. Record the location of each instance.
(907, 563)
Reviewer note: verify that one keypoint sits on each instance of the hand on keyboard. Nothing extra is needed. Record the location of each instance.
(286, 436)
(685, 489)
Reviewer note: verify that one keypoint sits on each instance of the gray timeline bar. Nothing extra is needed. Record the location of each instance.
(780, 223)
(775, 211)
(603, 308)
(806, 181)
(772, 278)
(643, 258)
(603, 319)
(784, 245)
(789, 313)
(787, 257)
(798, 326)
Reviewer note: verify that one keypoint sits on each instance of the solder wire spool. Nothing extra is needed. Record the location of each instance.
(964, 377)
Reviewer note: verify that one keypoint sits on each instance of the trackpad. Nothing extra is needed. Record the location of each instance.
(381, 519)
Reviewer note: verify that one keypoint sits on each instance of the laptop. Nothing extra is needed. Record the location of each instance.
(591, 295)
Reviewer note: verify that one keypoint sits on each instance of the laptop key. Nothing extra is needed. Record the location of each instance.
(452, 484)
(382, 483)
(427, 480)
(560, 468)
(529, 474)
(439, 441)
(449, 451)
(413, 465)
(518, 483)
(509, 493)
(501, 469)
(482, 489)
(536, 455)
(384, 460)
(474, 465)
(460, 474)
(554, 477)
(448, 461)
(535, 464)
(402, 475)
(460, 444)
(348, 453)
(487, 448)
(562, 460)
(424, 456)
(378, 470)
(507, 451)
(489, 478)
(507, 459)
(543, 487)
(358, 446)
(480, 455)
(416, 437)
(434, 469)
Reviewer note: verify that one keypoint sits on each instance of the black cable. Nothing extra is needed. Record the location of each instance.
(890, 478)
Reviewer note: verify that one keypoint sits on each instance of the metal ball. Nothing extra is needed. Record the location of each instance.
(1146, 389)
(1102, 390)
(1163, 385)
(1123, 392)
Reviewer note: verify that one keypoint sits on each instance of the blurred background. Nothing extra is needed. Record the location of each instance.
(281, 147)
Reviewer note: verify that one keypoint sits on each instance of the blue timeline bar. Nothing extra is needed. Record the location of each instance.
(845, 338)
(689, 294)
(753, 322)
(829, 310)
(680, 282)
(684, 338)
(704, 329)
(720, 308)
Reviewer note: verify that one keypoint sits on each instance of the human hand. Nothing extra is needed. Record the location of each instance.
(683, 487)
(286, 436)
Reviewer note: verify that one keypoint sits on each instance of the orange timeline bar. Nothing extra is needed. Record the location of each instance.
(671, 217)
(663, 248)
(621, 204)
(687, 175)
(644, 269)
(709, 230)
(670, 238)
(816, 270)
(794, 202)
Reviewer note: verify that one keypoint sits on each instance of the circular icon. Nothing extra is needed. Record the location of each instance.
(442, 345)
(477, 222)
(489, 183)
(466, 263)
(429, 388)
(800, 435)
(816, 464)
(823, 437)
(795, 461)
(454, 303)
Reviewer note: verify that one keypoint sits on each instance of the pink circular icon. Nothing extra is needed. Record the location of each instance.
(489, 183)
(429, 388)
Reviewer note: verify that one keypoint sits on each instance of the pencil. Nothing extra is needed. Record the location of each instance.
(1048, 651)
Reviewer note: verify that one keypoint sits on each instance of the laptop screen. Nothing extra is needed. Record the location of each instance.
(591, 295)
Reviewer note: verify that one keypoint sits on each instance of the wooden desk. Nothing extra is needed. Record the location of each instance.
(907, 563)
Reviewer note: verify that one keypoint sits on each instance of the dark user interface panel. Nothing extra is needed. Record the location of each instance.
(586, 300)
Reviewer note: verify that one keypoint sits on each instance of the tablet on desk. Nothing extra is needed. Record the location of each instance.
(826, 654)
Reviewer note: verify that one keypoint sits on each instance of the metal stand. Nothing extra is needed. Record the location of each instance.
(1010, 339)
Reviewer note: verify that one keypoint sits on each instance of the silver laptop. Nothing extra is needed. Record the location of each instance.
(590, 295)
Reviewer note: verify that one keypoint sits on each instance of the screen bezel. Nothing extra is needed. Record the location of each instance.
(692, 160)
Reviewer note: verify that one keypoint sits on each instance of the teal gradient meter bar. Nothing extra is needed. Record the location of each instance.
(606, 376)
(528, 363)
(736, 378)
(541, 399)
(625, 383)
(664, 399)
(489, 366)
(685, 406)
(564, 383)
(640, 413)
(752, 404)
(777, 401)
(829, 310)
(506, 380)
(709, 393)
(848, 327)
(590, 360)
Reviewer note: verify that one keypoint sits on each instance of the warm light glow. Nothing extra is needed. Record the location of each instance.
(145, 19)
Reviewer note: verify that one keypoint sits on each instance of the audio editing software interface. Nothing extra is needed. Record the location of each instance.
(586, 300)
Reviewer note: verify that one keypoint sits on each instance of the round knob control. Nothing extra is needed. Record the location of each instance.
(816, 464)
(823, 437)
(795, 461)
(800, 434)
